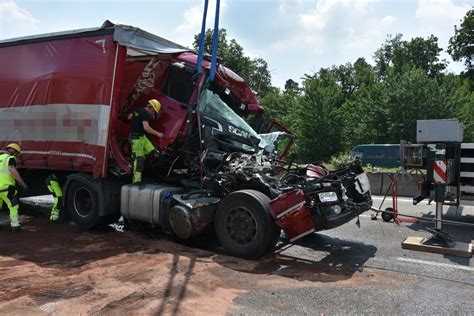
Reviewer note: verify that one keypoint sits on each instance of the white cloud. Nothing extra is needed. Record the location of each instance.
(328, 32)
(388, 20)
(14, 19)
(363, 41)
(343, 27)
(441, 10)
(325, 9)
(439, 17)
(192, 19)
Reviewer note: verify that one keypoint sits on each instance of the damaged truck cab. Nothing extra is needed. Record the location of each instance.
(65, 96)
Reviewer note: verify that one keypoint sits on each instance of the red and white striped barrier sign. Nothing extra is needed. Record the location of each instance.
(439, 172)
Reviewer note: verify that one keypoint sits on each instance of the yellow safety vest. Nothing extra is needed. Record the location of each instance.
(6, 178)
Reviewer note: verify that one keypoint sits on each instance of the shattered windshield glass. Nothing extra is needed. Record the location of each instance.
(213, 107)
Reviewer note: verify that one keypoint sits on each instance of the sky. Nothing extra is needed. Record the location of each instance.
(295, 37)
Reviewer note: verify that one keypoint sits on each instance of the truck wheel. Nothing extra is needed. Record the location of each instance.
(83, 205)
(244, 225)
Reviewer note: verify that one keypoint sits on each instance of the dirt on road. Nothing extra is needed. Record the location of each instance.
(57, 269)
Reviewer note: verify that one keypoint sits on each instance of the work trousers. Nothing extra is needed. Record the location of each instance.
(55, 188)
(10, 197)
(141, 146)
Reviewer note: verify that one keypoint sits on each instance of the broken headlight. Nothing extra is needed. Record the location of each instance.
(332, 210)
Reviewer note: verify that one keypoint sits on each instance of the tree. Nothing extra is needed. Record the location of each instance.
(461, 45)
(345, 77)
(222, 46)
(254, 71)
(292, 86)
(421, 53)
(259, 76)
(364, 72)
(282, 107)
(316, 120)
(418, 52)
(352, 77)
(365, 116)
(384, 55)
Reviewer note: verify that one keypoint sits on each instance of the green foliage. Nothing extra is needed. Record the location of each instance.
(461, 45)
(340, 160)
(364, 116)
(317, 122)
(421, 53)
(254, 71)
(368, 167)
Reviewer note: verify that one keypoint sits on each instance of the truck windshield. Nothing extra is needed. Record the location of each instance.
(213, 106)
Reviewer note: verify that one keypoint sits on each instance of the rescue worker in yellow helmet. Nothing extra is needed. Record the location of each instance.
(55, 188)
(141, 145)
(9, 176)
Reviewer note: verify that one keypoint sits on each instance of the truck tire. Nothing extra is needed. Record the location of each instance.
(83, 205)
(244, 225)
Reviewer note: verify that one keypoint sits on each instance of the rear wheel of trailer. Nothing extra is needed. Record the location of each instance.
(82, 203)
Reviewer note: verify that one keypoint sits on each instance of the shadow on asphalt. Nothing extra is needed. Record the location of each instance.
(458, 233)
(334, 261)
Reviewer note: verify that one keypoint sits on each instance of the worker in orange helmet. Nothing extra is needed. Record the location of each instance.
(141, 145)
(9, 176)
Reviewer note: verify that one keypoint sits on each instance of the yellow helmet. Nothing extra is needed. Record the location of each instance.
(14, 146)
(155, 104)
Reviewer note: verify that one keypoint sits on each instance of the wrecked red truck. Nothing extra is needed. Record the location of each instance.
(64, 97)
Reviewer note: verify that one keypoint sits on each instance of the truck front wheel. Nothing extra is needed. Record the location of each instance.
(83, 205)
(244, 225)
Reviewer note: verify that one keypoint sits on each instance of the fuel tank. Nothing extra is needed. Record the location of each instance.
(149, 203)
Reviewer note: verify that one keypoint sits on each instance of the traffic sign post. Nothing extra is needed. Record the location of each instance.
(438, 174)
(439, 179)
(438, 151)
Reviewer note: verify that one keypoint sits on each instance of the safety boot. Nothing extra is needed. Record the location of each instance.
(15, 229)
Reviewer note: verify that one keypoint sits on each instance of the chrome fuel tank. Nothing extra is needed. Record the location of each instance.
(149, 203)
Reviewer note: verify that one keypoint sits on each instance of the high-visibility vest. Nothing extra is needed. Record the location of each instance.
(6, 178)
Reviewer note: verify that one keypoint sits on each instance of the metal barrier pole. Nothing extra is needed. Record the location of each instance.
(439, 214)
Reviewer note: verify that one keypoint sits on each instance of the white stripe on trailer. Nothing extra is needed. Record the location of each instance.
(57, 153)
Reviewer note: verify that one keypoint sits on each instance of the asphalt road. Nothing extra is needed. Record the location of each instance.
(365, 271)
(347, 270)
